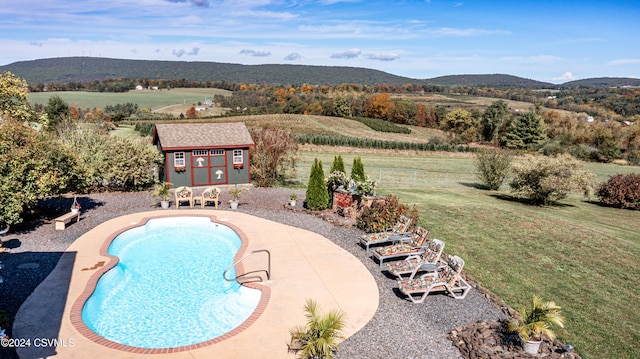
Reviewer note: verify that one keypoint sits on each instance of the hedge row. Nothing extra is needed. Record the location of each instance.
(339, 140)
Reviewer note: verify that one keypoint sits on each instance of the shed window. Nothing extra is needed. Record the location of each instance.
(200, 152)
(178, 159)
(238, 158)
(217, 152)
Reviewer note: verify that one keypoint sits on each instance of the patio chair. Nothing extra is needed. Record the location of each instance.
(395, 234)
(413, 264)
(404, 249)
(447, 278)
(209, 195)
(184, 194)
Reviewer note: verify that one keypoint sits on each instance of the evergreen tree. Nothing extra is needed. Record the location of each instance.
(525, 131)
(357, 170)
(338, 164)
(317, 196)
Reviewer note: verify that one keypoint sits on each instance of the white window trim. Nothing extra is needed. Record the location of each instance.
(200, 152)
(179, 162)
(216, 152)
(238, 159)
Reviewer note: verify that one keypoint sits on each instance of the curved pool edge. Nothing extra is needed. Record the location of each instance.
(103, 267)
(299, 272)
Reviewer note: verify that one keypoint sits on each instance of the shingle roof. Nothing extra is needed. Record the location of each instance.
(195, 135)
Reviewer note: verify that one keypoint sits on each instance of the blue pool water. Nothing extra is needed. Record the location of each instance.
(167, 290)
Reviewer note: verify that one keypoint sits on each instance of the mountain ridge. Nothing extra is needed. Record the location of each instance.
(83, 69)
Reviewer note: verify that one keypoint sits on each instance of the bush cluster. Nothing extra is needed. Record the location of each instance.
(544, 180)
(622, 191)
(493, 167)
(384, 214)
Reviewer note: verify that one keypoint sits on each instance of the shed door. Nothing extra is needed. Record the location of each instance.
(208, 167)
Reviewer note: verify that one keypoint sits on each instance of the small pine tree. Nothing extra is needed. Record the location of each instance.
(338, 164)
(317, 195)
(357, 171)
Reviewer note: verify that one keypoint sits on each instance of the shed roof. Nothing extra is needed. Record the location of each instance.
(198, 135)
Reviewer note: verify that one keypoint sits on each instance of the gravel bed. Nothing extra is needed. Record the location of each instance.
(399, 329)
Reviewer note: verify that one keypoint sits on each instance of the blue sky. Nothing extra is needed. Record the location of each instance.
(553, 41)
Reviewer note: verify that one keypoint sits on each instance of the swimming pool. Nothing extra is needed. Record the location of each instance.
(167, 289)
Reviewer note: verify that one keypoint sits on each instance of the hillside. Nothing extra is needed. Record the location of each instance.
(84, 69)
(603, 82)
(493, 80)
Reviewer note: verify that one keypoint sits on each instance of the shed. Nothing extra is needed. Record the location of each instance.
(204, 153)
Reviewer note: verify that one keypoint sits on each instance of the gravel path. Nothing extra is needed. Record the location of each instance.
(399, 329)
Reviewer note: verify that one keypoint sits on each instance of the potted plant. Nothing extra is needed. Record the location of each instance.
(319, 338)
(162, 190)
(75, 206)
(534, 322)
(292, 199)
(235, 196)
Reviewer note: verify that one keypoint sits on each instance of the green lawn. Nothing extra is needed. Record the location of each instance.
(580, 255)
(150, 99)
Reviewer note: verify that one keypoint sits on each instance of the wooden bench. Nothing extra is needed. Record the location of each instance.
(61, 222)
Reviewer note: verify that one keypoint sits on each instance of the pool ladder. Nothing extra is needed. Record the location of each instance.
(243, 276)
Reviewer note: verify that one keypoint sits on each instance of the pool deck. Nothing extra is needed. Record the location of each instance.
(303, 265)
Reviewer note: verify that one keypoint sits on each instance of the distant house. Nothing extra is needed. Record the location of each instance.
(205, 153)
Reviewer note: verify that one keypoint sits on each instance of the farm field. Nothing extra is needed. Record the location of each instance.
(145, 98)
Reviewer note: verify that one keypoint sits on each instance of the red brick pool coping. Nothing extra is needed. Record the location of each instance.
(76, 309)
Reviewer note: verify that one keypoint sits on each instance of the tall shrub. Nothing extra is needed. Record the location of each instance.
(338, 164)
(317, 197)
(544, 180)
(622, 191)
(273, 158)
(31, 168)
(357, 170)
(493, 167)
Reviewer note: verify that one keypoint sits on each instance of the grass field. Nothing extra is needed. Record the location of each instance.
(151, 99)
(577, 253)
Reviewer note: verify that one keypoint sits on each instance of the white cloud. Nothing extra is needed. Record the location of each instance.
(294, 56)
(349, 54)
(383, 57)
(255, 53)
(623, 62)
(567, 76)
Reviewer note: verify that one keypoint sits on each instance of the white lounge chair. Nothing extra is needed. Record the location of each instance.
(447, 278)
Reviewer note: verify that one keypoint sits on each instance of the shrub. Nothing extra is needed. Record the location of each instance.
(493, 167)
(544, 180)
(273, 158)
(622, 191)
(338, 164)
(384, 214)
(317, 197)
(357, 171)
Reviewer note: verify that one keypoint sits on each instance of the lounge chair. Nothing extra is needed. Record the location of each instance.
(413, 264)
(448, 278)
(184, 194)
(209, 195)
(404, 249)
(395, 234)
